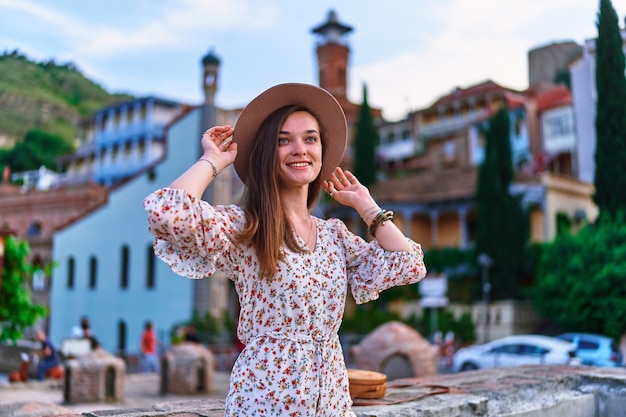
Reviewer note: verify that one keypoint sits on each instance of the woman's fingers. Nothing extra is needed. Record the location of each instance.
(220, 136)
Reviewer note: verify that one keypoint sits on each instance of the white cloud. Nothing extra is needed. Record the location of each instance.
(473, 42)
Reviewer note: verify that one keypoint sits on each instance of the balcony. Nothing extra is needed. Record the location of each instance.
(446, 126)
(396, 151)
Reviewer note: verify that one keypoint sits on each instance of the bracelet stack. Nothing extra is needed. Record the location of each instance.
(381, 217)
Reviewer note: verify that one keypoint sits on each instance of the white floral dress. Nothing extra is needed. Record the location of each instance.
(292, 364)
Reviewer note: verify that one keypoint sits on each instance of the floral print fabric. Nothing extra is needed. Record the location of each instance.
(292, 364)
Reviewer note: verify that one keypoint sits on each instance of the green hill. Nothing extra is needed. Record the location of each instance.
(46, 96)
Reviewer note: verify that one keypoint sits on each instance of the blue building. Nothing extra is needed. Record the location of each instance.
(106, 267)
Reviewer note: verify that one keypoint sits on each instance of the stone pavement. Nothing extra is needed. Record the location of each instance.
(142, 391)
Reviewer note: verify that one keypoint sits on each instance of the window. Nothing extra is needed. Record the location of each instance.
(71, 265)
(519, 124)
(449, 149)
(121, 337)
(588, 344)
(39, 279)
(558, 126)
(533, 350)
(150, 268)
(511, 349)
(93, 272)
(34, 229)
(128, 149)
(125, 266)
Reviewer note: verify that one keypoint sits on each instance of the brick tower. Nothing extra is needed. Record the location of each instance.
(332, 55)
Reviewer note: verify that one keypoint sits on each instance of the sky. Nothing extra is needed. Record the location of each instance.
(407, 52)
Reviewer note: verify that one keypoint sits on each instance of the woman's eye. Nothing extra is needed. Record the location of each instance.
(282, 141)
(312, 139)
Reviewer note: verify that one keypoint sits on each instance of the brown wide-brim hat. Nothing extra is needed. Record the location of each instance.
(320, 102)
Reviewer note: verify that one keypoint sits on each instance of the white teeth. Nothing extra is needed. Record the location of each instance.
(299, 164)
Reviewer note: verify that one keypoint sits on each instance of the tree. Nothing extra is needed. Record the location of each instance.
(365, 142)
(581, 279)
(610, 156)
(38, 148)
(502, 225)
(17, 312)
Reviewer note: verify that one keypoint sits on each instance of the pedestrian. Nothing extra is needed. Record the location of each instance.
(149, 354)
(291, 270)
(48, 356)
(191, 334)
(83, 329)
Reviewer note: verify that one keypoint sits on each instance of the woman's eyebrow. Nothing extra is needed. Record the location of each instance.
(286, 132)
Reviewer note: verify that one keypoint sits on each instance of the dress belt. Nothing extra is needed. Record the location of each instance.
(298, 337)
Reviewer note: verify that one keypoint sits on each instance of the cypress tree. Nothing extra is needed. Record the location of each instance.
(501, 224)
(610, 156)
(365, 141)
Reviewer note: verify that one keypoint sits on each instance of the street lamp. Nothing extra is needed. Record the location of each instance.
(485, 262)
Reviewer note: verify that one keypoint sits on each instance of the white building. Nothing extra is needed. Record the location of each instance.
(583, 73)
(120, 140)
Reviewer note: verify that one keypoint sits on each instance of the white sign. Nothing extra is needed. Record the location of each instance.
(75, 347)
(433, 291)
(433, 302)
(433, 286)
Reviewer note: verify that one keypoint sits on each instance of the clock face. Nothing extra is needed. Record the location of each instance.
(210, 78)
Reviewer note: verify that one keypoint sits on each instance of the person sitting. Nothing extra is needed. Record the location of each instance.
(49, 358)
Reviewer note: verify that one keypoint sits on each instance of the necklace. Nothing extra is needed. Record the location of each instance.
(310, 231)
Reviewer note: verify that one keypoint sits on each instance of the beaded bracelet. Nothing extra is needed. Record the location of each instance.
(381, 217)
(212, 166)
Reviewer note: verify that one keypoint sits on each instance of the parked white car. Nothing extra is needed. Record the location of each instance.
(515, 351)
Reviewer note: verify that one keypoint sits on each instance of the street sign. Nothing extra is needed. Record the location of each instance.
(433, 291)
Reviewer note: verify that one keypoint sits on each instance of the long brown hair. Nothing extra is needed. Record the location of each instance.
(267, 226)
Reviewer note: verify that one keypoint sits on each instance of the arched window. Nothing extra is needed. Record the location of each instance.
(39, 278)
(34, 229)
(71, 265)
(125, 266)
(93, 272)
(150, 267)
(121, 338)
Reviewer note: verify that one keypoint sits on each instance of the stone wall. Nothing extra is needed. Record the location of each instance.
(528, 391)
(97, 376)
(10, 355)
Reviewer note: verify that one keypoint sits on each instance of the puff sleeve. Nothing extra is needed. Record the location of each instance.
(193, 237)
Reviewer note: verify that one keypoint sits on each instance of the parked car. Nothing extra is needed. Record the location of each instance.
(594, 349)
(514, 351)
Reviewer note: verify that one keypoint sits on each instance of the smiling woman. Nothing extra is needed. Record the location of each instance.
(291, 270)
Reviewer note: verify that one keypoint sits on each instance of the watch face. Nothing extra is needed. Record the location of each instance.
(210, 79)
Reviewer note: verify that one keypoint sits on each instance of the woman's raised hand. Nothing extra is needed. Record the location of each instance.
(218, 147)
(346, 189)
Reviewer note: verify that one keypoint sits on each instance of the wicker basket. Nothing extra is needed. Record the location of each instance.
(366, 384)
